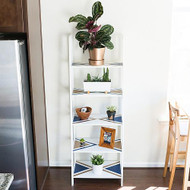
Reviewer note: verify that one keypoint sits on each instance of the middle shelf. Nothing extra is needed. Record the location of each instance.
(99, 120)
(91, 146)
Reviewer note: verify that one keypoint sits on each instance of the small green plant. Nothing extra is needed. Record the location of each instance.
(82, 140)
(111, 108)
(92, 35)
(97, 159)
(89, 78)
(104, 78)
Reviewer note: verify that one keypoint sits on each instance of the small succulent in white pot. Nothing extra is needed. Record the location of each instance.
(97, 164)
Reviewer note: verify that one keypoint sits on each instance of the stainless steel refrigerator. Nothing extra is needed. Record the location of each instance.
(16, 139)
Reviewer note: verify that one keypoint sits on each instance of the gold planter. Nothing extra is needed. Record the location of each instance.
(96, 56)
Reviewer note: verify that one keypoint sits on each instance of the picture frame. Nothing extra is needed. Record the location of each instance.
(107, 137)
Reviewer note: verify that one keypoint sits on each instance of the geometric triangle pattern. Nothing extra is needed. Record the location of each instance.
(81, 168)
(76, 119)
(117, 145)
(113, 168)
(117, 119)
(114, 91)
(77, 145)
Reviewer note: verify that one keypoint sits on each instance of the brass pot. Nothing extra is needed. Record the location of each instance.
(96, 56)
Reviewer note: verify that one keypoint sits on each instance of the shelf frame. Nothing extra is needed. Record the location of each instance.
(72, 67)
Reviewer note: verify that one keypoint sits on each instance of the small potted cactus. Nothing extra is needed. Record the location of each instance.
(98, 84)
(82, 142)
(111, 111)
(97, 164)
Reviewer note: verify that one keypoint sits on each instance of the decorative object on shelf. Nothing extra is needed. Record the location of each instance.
(111, 111)
(83, 115)
(82, 142)
(98, 84)
(97, 164)
(97, 37)
(107, 137)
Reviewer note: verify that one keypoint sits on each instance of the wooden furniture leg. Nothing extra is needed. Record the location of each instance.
(175, 156)
(186, 182)
(167, 154)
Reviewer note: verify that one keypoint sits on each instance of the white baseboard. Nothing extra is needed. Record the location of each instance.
(143, 165)
(125, 164)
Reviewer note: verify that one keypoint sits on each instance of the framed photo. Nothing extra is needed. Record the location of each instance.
(107, 137)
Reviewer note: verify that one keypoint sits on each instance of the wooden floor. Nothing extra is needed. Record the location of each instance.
(139, 179)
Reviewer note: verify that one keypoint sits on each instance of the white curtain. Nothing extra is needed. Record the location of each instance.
(179, 78)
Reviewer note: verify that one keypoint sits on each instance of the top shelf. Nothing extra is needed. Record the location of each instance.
(86, 65)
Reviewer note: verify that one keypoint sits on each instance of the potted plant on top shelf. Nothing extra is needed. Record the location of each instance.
(92, 36)
(98, 84)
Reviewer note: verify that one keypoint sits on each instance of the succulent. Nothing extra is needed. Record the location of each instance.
(82, 140)
(111, 108)
(97, 159)
(89, 77)
(95, 36)
(104, 78)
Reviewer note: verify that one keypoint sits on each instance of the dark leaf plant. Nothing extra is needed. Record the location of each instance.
(92, 35)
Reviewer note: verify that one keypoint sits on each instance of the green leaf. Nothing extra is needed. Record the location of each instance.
(100, 34)
(82, 36)
(78, 18)
(105, 39)
(109, 45)
(97, 10)
(107, 29)
(80, 26)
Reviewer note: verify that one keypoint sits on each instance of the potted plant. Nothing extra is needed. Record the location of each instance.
(97, 164)
(98, 84)
(92, 36)
(111, 111)
(82, 142)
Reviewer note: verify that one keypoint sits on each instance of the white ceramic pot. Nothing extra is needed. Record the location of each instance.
(97, 169)
(97, 86)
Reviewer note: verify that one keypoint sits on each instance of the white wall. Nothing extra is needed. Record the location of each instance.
(147, 26)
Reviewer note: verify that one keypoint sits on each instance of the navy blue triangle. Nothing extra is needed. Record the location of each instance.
(118, 119)
(116, 168)
(80, 168)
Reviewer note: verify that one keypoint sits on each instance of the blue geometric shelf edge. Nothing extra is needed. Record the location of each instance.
(113, 168)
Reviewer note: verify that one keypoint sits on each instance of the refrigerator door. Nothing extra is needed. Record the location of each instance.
(16, 144)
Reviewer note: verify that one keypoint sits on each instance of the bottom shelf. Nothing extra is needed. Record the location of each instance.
(111, 170)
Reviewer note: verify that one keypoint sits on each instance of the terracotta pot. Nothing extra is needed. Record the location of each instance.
(96, 56)
(83, 115)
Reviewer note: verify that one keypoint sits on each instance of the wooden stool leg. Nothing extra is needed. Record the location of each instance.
(167, 154)
(171, 155)
(175, 156)
(187, 163)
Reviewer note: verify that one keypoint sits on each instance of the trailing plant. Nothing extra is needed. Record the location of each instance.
(104, 78)
(82, 140)
(97, 159)
(111, 108)
(92, 35)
